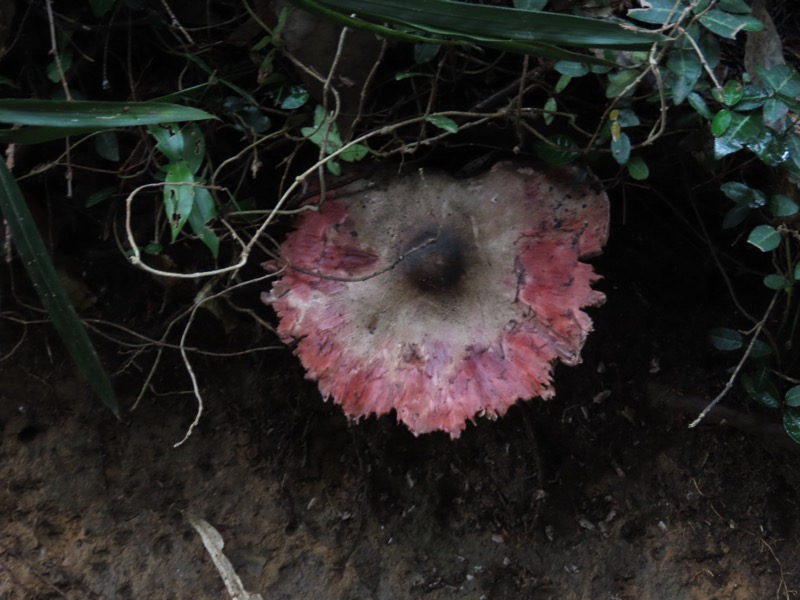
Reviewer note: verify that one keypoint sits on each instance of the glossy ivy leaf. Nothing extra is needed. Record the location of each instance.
(782, 206)
(618, 82)
(753, 96)
(792, 397)
(65, 56)
(791, 423)
(734, 6)
(728, 25)
(793, 147)
(658, 12)
(765, 237)
(107, 146)
(441, 122)
(687, 68)
(560, 154)
(731, 94)
(774, 281)
(621, 148)
(742, 130)
(297, 97)
(770, 148)
(783, 80)
(699, 105)
(550, 106)
(573, 69)
(735, 216)
(760, 349)
(99, 196)
(760, 388)
(775, 112)
(424, 53)
(721, 121)
(638, 169)
(725, 339)
(744, 195)
(100, 7)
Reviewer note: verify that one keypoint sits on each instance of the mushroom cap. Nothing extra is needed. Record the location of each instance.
(438, 298)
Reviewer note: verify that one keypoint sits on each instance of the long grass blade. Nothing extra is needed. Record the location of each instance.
(84, 113)
(499, 23)
(32, 251)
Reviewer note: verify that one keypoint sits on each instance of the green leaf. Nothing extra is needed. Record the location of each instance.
(686, 66)
(744, 195)
(731, 94)
(181, 143)
(699, 105)
(99, 115)
(734, 6)
(760, 388)
(562, 83)
(572, 69)
(100, 7)
(563, 154)
(753, 96)
(298, 96)
(792, 397)
(782, 206)
(354, 153)
(791, 423)
(65, 56)
(783, 80)
(550, 106)
(45, 280)
(199, 216)
(107, 146)
(178, 196)
(742, 130)
(617, 82)
(441, 122)
(621, 148)
(638, 169)
(424, 53)
(774, 281)
(722, 120)
(765, 237)
(775, 113)
(760, 349)
(659, 12)
(735, 216)
(99, 196)
(725, 339)
(793, 146)
(728, 25)
(796, 274)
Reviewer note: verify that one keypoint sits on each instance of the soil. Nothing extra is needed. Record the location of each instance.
(603, 493)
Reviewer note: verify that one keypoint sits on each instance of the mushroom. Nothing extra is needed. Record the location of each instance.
(441, 299)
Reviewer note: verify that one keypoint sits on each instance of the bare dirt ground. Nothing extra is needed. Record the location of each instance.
(602, 493)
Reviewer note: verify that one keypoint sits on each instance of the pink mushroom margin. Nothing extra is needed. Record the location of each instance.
(375, 343)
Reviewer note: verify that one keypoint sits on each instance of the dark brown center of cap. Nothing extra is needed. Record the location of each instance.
(434, 260)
